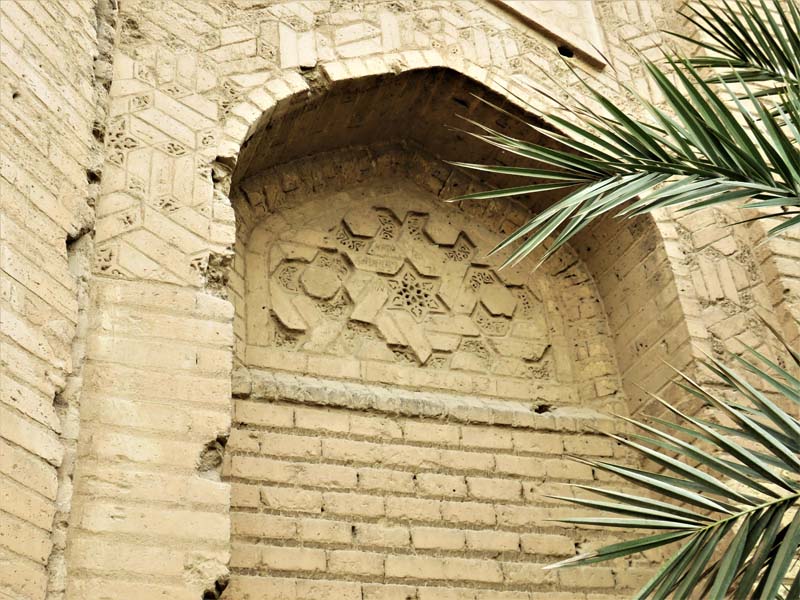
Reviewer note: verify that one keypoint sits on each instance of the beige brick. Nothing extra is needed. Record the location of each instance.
(292, 499)
(520, 516)
(250, 588)
(353, 451)
(33, 437)
(590, 577)
(589, 446)
(413, 509)
(492, 541)
(374, 591)
(386, 480)
(485, 488)
(352, 562)
(439, 538)
(412, 457)
(632, 577)
(443, 486)
(322, 420)
(145, 559)
(324, 532)
(309, 589)
(262, 413)
(353, 504)
(466, 461)
(367, 534)
(245, 556)
(22, 576)
(414, 567)
(494, 595)
(487, 437)
(450, 593)
(278, 444)
(547, 545)
(373, 426)
(520, 465)
(244, 495)
(167, 522)
(469, 513)
(24, 539)
(540, 443)
(91, 588)
(519, 573)
(257, 468)
(432, 433)
(25, 504)
(285, 558)
(263, 526)
(567, 469)
(443, 568)
(328, 476)
(241, 440)
(27, 469)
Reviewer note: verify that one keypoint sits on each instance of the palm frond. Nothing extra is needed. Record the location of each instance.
(738, 542)
(747, 41)
(717, 142)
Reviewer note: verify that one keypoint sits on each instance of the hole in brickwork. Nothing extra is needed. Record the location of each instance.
(541, 409)
(564, 50)
(210, 460)
(98, 131)
(14, 95)
(216, 592)
(93, 176)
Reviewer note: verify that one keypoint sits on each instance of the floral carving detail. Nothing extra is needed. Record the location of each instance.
(388, 228)
(479, 278)
(490, 324)
(413, 225)
(461, 251)
(348, 241)
(413, 293)
(287, 276)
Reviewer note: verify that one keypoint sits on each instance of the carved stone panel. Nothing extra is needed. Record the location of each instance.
(388, 277)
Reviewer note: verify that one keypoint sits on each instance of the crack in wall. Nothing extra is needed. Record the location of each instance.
(80, 251)
(80, 256)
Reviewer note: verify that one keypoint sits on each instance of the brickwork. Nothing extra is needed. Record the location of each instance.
(119, 347)
(335, 502)
(53, 64)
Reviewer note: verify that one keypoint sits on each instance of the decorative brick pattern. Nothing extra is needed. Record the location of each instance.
(52, 100)
(211, 107)
(403, 507)
(509, 333)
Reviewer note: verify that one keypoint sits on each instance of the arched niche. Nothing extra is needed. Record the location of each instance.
(389, 377)
(420, 113)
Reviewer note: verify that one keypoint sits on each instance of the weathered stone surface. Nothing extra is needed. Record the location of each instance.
(177, 167)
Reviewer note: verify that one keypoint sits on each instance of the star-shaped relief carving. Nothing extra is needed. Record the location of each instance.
(416, 294)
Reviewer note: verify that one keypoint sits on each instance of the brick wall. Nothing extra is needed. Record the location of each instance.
(52, 68)
(145, 340)
(332, 502)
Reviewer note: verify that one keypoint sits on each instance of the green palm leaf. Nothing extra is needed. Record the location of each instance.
(714, 145)
(728, 494)
(750, 41)
(743, 546)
